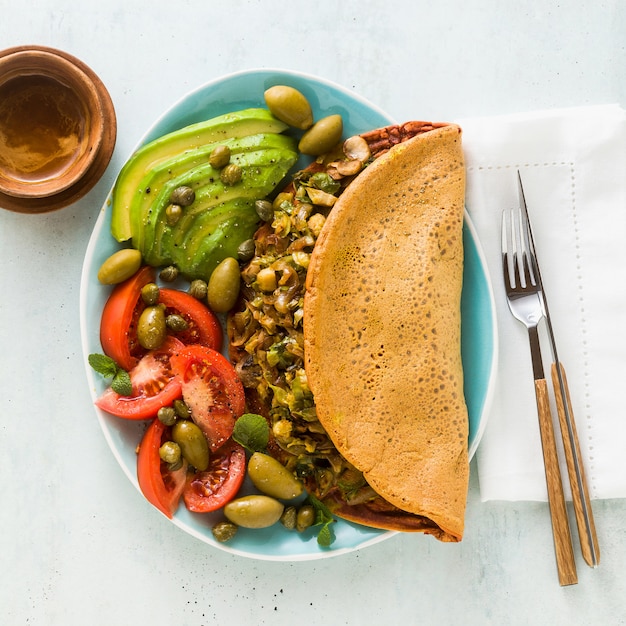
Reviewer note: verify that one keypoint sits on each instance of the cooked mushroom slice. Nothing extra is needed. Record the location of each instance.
(356, 148)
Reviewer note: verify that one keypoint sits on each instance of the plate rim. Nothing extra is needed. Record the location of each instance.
(493, 363)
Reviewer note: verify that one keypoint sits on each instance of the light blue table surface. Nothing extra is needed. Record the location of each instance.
(77, 544)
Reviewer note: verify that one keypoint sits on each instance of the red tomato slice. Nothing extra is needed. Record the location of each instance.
(219, 483)
(204, 326)
(212, 391)
(160, 486)
(118, 334)
(154, 383)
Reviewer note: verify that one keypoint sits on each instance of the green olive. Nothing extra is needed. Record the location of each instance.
(290, 106)
(231, 174)
(272, 477)
(322, 137)
(305, 517)
(219, 157)
(255, 511)
(151, 329)
(150, 293)
(183, 196)
(223, 287)
(224, 531)
(192, 442)
(119, 266)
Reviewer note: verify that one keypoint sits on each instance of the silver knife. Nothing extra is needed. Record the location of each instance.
(580, 493)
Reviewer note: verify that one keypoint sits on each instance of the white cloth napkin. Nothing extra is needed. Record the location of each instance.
(573, 167)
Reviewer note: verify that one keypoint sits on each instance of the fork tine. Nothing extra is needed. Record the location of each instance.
(512, 267)
(529, 279)
(517, 255)
(525, 237)
(506, 255)
(521, 258)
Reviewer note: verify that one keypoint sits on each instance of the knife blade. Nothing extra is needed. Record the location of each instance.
(575, 469)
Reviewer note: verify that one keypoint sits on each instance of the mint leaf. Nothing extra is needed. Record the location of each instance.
(325, 537)
(103, 364)
(252, 432)
(121, 383)
(108, 368)
(323, 518)
(322, 512)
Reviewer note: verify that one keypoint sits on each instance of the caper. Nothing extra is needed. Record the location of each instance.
(305, 517)
(231, 174)
(322, 137)
(192, 442)
(272, 477)
(173, 212)
(198, 289)
(288, 518)
(169, 274)
(170, 452)
(223, 287)
(183, 196)
(181, 409)
(151, 328)
(289, 105)
(176, 322)
(150, 293)
(224, 531)
(246, 250)
(254, 511)
(264, 210)
(219, 157)
(167, 415)
(120, 266)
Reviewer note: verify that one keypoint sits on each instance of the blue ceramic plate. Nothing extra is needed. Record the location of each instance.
(231, 93)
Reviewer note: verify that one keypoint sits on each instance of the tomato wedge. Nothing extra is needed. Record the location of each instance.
(212, 391)
(118, 334)
(219, 483)
(118, 325)
(154, 382)
(161, 486)
(203, 325)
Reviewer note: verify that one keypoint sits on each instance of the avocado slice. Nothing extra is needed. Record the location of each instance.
(236, 124)
(153, 182)
(266, 178)
(262, 171)
(167, 248)
(215, 237)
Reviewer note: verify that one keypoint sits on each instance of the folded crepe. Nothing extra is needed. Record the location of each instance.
(382, 334)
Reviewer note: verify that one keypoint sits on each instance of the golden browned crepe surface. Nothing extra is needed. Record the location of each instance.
(382, 328)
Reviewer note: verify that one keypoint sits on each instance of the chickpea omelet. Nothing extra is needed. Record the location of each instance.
(382, 330)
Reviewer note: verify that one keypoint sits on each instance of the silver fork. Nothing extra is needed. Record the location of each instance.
(522, 291)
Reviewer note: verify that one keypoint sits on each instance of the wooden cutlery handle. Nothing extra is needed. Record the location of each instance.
(580, 494)
(566, 565)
